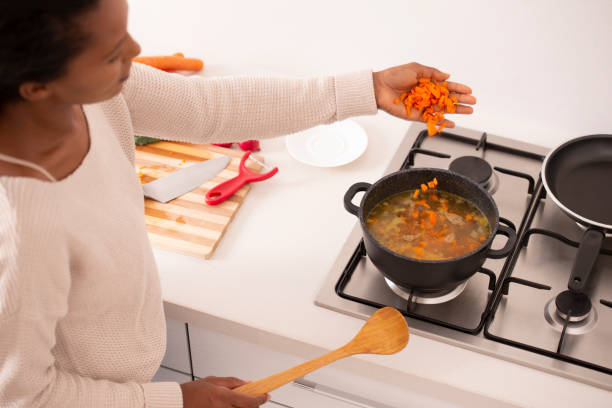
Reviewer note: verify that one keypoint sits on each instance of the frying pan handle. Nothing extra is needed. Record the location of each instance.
(585, 259)
(503, 252)
(350, 194)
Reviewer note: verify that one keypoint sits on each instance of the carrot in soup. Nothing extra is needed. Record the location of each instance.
(427, 228)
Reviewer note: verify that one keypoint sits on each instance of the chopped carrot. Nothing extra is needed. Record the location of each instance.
(396, 101)
(430, 184)
(419, 251)
(423, 187)
(432, 218)
(416, 194)
(423, 203)
(431, 128)
(425, 97)
(468, 217)
(172, 62)
(435, 180)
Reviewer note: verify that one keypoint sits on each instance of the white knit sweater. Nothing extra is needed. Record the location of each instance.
(81, 317)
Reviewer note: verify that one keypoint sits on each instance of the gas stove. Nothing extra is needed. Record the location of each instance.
(512, 308)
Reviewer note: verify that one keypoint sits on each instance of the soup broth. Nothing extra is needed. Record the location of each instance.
(429, 225)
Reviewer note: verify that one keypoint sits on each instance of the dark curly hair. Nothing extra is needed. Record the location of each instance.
(37, 40)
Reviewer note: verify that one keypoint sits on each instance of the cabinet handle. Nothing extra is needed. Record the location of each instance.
(339, 395)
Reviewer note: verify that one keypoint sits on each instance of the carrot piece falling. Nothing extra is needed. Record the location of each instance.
(426, 97)
(176, 62)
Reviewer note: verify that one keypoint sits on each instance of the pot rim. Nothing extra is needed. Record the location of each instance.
(486, 244)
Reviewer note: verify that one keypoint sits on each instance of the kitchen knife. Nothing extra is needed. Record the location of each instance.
(184, 180)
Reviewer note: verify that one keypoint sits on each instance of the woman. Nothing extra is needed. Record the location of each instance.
(81, 317)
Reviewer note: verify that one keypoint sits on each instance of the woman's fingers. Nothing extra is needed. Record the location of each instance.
(464, 109)
(227, 382)
(240, 400)
(458, 88)
(430, 72)
(463, 98)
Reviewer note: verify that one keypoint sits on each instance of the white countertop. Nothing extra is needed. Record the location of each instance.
(534, 73)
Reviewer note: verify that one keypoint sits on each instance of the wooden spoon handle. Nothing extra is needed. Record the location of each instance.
(272, 382)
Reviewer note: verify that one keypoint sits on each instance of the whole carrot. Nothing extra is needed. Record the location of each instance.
(172, 62)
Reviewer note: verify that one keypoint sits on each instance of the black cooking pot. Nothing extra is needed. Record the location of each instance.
(420, 274)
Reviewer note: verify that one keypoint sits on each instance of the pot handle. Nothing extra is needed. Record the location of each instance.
(350, 194)
(503, 252)
(585, 259)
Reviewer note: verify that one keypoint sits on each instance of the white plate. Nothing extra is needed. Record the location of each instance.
(328, 145)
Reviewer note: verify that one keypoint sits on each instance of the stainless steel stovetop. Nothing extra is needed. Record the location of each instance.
(507, 310)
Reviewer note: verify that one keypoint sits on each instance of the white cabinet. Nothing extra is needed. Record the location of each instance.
(177, 352)
(334, 386)
(305, 394)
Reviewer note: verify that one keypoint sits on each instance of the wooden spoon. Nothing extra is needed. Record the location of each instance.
(385, 332)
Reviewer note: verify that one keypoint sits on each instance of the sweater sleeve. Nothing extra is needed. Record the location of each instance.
(34, 287)
(229, 109)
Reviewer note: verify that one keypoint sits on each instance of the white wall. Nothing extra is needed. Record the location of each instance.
(540, 69)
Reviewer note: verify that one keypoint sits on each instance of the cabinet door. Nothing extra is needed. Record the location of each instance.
(333, 386)
(177, 353)
(306, 394)
(221, 355)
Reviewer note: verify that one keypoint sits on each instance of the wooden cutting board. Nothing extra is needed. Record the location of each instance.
(187, 225)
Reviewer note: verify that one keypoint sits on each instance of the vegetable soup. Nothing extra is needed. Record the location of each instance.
(428, 224)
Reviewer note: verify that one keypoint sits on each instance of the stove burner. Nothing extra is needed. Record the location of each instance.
(552, 316)
(427, 298)
(576, 305)
(472, 167)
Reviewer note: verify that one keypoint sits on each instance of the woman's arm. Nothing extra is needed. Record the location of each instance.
(229, 109)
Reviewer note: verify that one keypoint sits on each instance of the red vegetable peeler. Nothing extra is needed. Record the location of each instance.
(225, 190)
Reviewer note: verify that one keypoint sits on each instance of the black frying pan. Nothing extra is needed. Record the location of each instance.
(578, 178)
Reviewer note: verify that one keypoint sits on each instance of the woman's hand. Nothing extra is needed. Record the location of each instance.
(216, 392)
(390, 83)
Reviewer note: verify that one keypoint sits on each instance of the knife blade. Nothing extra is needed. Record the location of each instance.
(184, 180)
